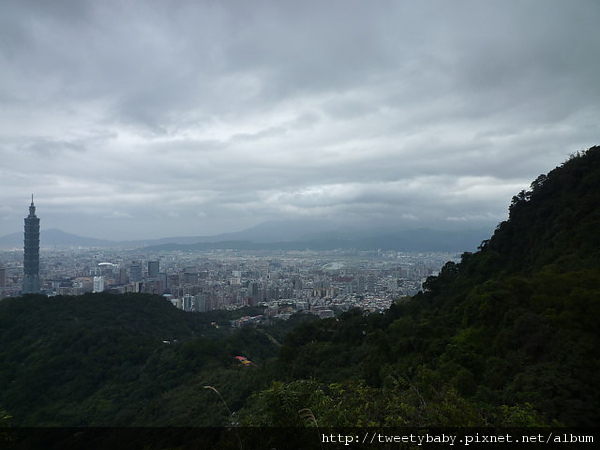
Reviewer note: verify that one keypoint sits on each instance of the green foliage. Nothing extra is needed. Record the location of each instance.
(555, 222)
(521, 416)
(505, 337)
(121, 360)
(415, 402)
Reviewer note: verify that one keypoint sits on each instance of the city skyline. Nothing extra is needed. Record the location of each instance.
(225, 279)
(146, 120)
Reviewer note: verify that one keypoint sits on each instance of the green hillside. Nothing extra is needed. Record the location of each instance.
(506, 337)
(121, 360)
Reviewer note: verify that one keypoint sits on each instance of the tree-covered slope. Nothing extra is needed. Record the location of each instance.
(121, 360)
(506, 337)
(556, 222)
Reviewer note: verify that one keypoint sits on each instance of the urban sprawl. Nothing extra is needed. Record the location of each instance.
(283, 281)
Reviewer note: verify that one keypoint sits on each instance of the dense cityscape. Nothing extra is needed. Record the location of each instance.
(318, 282)
(219, 279)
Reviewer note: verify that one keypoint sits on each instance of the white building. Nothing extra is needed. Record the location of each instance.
(98, 284)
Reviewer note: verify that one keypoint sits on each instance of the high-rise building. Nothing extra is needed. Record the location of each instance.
(135, 272)
(122, 278)
(98, 284)
(200, 303)
(2, 277)
(188, 302)
(31, 257)
(153, 269)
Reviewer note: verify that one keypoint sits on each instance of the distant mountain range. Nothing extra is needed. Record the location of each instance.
(419, 240)
(281, 235)
(54, 238)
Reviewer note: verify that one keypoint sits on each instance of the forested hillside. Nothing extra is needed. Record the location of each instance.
(508, 336)
(122, 360)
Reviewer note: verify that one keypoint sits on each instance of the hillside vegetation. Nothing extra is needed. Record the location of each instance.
(508, 336)
(122, 360)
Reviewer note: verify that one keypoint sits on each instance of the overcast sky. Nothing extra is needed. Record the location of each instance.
(141, 119)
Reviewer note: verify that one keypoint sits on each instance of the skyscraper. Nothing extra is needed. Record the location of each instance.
(31, 258)
(153, 269)
(135, 272)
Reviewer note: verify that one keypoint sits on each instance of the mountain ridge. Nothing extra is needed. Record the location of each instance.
(278, 236)
(507, 336)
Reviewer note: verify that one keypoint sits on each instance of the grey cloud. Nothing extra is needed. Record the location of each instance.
(215, 115)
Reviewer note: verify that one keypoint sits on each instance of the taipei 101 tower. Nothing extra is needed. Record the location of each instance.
(31, 260)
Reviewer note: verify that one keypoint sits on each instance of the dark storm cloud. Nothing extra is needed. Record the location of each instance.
(199, 117)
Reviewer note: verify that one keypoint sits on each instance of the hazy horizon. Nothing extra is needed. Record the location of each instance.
(145, 120)
(258, 233)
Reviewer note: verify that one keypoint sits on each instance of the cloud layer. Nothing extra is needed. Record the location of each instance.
(147, 119)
